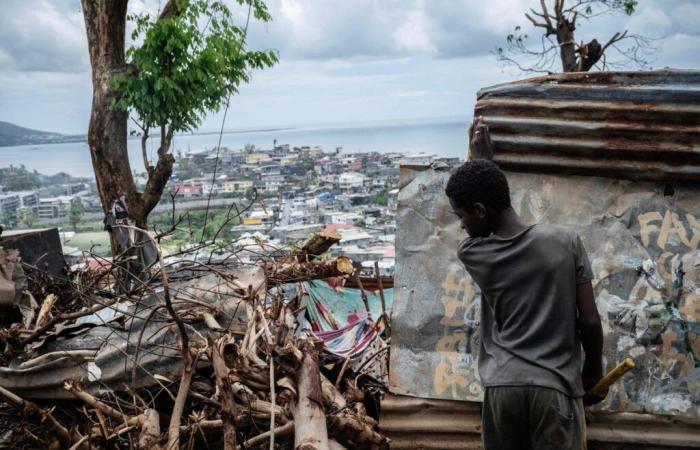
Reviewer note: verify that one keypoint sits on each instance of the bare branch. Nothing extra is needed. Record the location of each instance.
(545, 14)
(617, 37)
(537, 24)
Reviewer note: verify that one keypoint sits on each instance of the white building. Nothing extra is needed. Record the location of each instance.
(345, 218)
(54, 207)
(9, 203)
(350, 180)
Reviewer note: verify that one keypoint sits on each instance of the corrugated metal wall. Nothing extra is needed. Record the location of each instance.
(634, 125)
(418, 423)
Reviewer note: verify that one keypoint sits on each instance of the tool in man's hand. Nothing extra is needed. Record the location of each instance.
(601, 388)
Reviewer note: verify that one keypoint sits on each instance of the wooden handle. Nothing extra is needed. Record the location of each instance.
(602, 386)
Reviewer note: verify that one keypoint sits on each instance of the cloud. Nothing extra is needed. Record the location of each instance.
(414, 34)
(341, 60)
(320, 29)
(43, 36)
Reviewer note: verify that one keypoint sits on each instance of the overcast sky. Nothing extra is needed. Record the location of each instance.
(340, 60)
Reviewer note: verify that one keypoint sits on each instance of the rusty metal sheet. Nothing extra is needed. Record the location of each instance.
(643, 247)
(425, 424)
(632, 125)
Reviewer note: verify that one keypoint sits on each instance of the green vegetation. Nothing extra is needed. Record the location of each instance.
(181, 73)
(97, 241)
(19, 178)
(382, 198)
(191, 228)
(27, 217)
(76, 212)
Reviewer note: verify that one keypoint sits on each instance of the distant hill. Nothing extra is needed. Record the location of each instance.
(11, 134)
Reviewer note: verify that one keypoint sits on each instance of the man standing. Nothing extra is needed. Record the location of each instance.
(537, 312)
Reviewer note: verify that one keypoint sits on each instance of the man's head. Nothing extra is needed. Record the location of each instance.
(478, 193)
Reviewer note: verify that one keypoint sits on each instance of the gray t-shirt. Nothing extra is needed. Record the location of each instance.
(528, 284)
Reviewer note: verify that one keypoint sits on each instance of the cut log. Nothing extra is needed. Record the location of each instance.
(310, 431)
(317, 244)
(315, 270)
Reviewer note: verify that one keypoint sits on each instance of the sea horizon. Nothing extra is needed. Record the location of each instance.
(446, 136)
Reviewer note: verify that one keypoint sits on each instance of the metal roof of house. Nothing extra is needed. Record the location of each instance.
(631, 125)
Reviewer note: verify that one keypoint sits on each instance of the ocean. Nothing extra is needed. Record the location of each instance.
(439, 137)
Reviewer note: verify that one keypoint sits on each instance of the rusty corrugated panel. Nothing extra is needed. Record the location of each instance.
(426, 424)
(419, 423)
(631, 125)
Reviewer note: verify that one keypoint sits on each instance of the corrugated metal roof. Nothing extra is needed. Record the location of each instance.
(418, 423)
(633, 125)
(421, 423)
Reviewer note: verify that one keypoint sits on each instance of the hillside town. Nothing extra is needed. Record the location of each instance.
(288, 193)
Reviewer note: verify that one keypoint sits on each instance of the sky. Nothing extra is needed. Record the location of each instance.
(341, 61)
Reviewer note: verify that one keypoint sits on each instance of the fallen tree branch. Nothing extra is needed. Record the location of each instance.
(37, 414)
(316, 245)
(223, 384)
(313, 270)
(284, 430)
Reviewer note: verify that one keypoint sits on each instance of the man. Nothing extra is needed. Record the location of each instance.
(537, 311)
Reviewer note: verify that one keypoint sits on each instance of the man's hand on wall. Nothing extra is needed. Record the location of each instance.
(480, 145)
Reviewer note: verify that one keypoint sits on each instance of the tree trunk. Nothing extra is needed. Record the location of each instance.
(105, 23)
(567, 45)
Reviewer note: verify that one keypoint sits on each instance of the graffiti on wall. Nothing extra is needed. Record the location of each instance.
(643, 246)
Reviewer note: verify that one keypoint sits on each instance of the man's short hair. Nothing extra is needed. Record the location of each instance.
(479, 181)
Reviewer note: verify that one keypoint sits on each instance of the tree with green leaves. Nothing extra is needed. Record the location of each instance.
(558, 21)
(28, 217)
(75, 213)
(190, 60)
(9, 219)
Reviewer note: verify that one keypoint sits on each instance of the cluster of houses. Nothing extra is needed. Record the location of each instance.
(298, 190)
(304, 190)
(283, 168)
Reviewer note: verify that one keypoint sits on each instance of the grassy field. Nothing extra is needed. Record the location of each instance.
(84, 241)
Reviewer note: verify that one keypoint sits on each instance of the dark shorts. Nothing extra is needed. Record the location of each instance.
(532, 417)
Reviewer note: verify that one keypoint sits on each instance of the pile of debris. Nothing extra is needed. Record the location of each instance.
(188, 354)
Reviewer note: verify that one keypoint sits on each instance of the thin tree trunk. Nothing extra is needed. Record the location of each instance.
(105, 23)
(567, 45)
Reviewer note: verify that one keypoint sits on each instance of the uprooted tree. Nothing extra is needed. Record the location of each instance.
(559, 21)
(188, 61)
